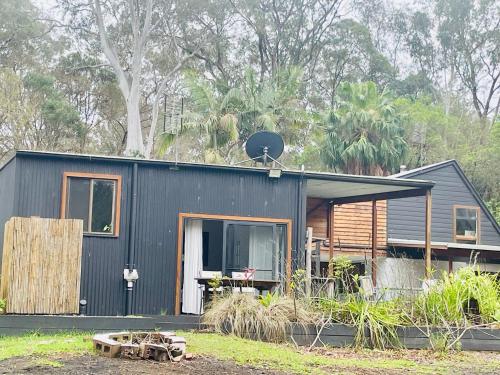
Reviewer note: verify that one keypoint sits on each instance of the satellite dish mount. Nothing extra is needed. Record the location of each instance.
(264, 146)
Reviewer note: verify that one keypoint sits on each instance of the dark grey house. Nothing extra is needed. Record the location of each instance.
(153, 215)
(462, 226)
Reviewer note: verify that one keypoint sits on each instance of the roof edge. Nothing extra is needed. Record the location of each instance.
(463, 177)
(8, 161)
(424, 169)
(421, 184)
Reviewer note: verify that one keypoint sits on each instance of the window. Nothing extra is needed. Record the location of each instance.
(466, 224)
(95, 199)
(259, 246)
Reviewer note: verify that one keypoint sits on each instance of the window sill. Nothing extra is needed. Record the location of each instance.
(466, 240)
(102, 235)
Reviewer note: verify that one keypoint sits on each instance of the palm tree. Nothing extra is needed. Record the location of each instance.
(364, 133)
(273, 105)
(229, 118)
(212, 112)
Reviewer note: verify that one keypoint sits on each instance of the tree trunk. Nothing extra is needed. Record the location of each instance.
(135, 145)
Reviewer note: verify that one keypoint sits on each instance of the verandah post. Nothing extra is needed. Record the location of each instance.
(330, 239)
(428, 219)
(374, 242)
(309, 261)
(331, 213)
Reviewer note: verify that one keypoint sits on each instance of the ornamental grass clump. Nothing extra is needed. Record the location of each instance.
(465, 297)
(269, 319)
(376, 322)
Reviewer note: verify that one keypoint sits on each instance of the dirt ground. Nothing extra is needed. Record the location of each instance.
(468, 363)
(92, 364)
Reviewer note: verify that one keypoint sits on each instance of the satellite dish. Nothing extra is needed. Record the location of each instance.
(264, 146)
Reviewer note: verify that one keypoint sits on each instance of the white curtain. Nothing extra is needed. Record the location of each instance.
(193, 264)
(260, 255)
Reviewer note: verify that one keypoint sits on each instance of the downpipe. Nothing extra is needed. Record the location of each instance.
(130, 274)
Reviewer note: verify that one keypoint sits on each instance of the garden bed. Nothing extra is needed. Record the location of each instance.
(341, 335)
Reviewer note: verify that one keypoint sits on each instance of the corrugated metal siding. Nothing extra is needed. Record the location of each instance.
(406, 217)
(103, 259)
(7, 194)
(163, 193)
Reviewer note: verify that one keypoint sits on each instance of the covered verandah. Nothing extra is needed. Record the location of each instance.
(331, 191)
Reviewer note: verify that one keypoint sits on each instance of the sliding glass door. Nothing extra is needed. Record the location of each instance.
(250, 245)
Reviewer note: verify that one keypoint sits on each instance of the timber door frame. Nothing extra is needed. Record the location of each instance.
(180, 244)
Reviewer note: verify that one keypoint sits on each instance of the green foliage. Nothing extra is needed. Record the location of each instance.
(442, 341)
(461, 298)
(298, 279)
(269, 299)
(273, 104)
(214, 113)
(342, 266)
(375, 321)
(343, 275)
(458, 300)
(494, 207)
(364, 134)
(3, 305)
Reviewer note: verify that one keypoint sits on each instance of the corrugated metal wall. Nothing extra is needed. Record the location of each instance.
(162, 194)
(7, 193)
(406, 217)
(103, 259)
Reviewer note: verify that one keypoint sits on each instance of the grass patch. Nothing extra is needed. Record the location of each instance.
(40, 344)
(284, 357)
(45, 362)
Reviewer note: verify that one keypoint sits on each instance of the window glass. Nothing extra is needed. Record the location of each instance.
(466, 222)
(78, 200)
(93, 201)
(254, 246)
(103, 194)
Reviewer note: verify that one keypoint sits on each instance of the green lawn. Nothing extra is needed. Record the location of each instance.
(279, 357)
(36, 344)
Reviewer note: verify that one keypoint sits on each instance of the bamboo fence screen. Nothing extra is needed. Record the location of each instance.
(41, 265)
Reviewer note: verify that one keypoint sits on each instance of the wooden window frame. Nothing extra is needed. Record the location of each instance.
(117, 203)
(457, 237)
(180, 244)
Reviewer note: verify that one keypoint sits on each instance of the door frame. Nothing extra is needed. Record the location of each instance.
(180, 244)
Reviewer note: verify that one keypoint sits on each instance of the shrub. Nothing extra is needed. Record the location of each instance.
(269, 319)
(461, 298)
(3, 305)
(376, 322)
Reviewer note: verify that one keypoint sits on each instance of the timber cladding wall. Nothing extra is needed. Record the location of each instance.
(41, 266)
(352, 223)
